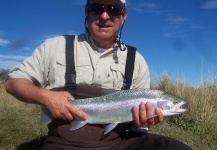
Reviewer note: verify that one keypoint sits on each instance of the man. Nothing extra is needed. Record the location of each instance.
(100, 59)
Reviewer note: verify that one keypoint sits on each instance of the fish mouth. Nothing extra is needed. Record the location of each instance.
(178, 109)
(181, 107)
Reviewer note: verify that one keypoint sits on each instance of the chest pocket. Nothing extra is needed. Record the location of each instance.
(57, 71)
(84, 70)
(118, 71)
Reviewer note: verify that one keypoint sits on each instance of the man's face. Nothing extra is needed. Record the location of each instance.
(104, 26)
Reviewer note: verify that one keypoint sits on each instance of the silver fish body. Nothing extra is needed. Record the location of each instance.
(116, 107)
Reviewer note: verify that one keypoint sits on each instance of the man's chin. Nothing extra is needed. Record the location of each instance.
(104, 35)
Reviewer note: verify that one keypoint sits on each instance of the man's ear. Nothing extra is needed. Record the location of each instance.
(125, 15)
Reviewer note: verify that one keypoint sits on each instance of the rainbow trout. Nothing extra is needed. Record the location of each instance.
(116, 107)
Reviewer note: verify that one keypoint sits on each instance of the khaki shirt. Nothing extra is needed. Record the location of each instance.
(46, 67)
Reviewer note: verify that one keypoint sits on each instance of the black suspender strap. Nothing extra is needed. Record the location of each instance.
(70, 75)
(129, 68)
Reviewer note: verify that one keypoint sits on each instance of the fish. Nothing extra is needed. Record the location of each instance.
(115, 108)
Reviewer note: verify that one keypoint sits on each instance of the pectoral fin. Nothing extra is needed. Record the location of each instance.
(110, 127)
(46, 117)
(76, 124)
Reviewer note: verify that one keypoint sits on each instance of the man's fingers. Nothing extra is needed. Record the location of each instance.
(136, 115)
(77, 112)
(146, 111)
(68, 116)
(160, 116)
(142, 113)
(150, 112)
(72, 110)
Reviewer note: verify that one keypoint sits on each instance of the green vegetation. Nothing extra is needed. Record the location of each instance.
(3, 74)
(197, 128)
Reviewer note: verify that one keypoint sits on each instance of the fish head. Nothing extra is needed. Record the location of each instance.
(172, 104)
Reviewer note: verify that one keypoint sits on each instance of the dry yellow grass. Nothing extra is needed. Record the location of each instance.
(197, 127)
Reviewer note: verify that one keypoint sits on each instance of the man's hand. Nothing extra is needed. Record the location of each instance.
(59, 106)
(144, 111)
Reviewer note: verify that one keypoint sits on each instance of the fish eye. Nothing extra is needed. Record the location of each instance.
(176, 102)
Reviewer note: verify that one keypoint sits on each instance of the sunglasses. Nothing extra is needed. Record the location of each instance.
(114, 10)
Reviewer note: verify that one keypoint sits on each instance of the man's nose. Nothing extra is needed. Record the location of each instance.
(105, 15)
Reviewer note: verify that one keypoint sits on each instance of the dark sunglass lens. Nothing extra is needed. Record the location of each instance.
(114, 10)
(96, 8)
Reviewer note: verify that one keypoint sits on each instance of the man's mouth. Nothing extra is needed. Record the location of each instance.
(104, 26)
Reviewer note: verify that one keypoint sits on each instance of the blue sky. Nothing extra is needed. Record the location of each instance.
(175, 36)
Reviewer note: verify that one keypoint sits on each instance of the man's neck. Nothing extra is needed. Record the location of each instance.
(104, 44)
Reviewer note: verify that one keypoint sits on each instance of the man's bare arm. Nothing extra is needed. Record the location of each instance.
(56, 102)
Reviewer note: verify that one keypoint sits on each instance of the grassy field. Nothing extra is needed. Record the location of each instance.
(19, 124)
(20, 130)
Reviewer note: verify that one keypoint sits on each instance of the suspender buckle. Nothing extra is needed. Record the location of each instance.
(70, 81)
